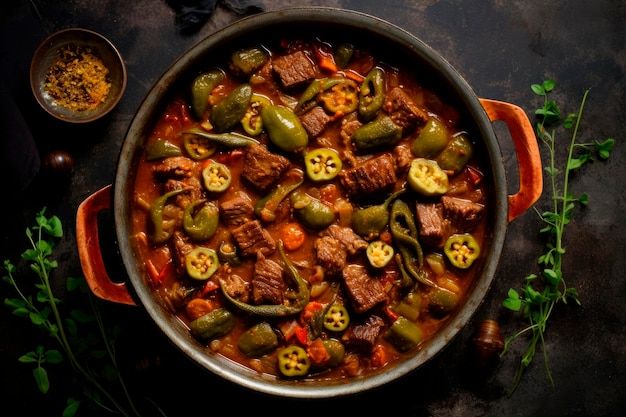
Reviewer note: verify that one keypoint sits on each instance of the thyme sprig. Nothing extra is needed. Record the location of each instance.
(540, 294)
(80, 333)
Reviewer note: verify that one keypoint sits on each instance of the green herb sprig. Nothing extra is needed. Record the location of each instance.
(541, 293)
(84, 341)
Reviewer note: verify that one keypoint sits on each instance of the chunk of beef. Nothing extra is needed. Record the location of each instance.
(404, 157)
(176, 167)
(330, 255)
(237, 210)
(365, 292)
(463, 214)
(373, 175)
(362, 336)
(315, 121)
(193, 190)
(263, 168)
(181, 247)
(252, 238)
(268, 285)
(350, 242)
(403, 110)
(434, 229)
(294, 69)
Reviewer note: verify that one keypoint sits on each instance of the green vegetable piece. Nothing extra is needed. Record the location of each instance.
(379, 253)
(293, 361)
(431, 140)
(409, 306)
(308, 98)
(456, 154)
(370, 221)
(231, 140)
(341, 98)
(427, 178)
(252, 122)
(284, 128)
(372, 94)
(212, 325)
(201, 263)
(310, 211)
(227, 254)
(336, 318)
(200, 224)
(248, 60)
(403, 334)
(298, 298)
(336, 350)
(160, 149)
(201, 88)
(343, 54)
(257, 341)
(216, 177)
(462, 250)
(198, 147)
(162, 227)
(380, 132)
(442, 302)
(322, 164)
(265, 208)
(229, 112)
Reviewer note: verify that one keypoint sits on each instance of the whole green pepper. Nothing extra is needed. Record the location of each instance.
(343, 54)
(382, 131)
(229, 112)
(258, 340)
(161, 148)
(246, 61)
(265, 208)
(370, 221)
(216, 323)
(284, 128)
(372, 94)
(456, 154)
(403, 334)
(299, 298)
(310, 211)
(160, 233)
(201, 224)
(201, 88)
(431, 140)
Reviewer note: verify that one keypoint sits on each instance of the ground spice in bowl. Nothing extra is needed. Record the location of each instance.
(78, 80)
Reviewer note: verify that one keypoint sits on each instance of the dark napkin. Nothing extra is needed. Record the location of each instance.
(192, 14)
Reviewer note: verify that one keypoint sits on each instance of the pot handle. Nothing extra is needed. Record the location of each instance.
(528, 157)
(89, 249)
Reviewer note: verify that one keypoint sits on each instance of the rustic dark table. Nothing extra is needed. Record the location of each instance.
(501, 48)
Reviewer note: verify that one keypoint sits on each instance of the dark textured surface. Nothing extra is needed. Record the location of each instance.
(500, 47)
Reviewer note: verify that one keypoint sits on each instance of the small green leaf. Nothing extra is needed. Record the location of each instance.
(548, 85)
(552, 276)
(29, 357)
(53, 356)
(72, 407)
(604, 149)
(538, 89)
(512, 304)
(41, 379)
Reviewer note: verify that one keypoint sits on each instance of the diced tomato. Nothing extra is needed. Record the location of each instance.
(210, 286)
(379, 356)
(312, 308)
(317, 353)
(302, 336)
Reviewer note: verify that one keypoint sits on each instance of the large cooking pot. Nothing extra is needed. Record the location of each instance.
(479, 114)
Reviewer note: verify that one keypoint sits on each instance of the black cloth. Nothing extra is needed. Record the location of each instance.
(192, 14)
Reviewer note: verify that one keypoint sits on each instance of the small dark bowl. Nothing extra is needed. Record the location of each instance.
(48, 52)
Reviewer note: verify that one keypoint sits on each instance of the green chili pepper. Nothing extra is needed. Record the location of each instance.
(379, 253)
(322, 164)
(162, 228)
(248, 60)
(372, 94)
(216, 323)
(370, 221)
(343, 54)
(427, 178)
(336, 350)
(198, 147)
(265, 208)
(442, 302)
(201, 88)
(456, 154)
(227, 253)
(310, 211)
(382, 131)
(284, 128)
(299, 298)
(216, 177)
(342, 98)
(404, 334)
(251, 121)
(162, 148)
(229, 112)
(200, 225)
(257, 341)
(229, 140)
(201, 263)
(293, 361)
(462, 250)
(409, 306)
(336, 318)
(308, 98)
(431, 140)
